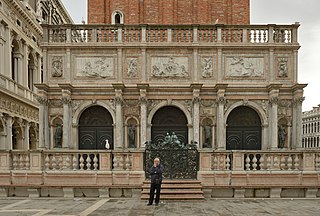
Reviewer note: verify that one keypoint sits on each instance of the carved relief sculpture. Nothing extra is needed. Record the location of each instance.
(283, 68)
(169, 67)
(207, 68)
(96, 67)
(244, 67)
(57, 66)
(132, 68)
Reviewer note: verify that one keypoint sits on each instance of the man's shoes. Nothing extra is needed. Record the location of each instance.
(157, 204)
(149, 204)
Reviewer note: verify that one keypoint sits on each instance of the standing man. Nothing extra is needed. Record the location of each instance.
(156, 179)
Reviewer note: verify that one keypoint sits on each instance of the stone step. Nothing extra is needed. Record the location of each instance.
(176, 190)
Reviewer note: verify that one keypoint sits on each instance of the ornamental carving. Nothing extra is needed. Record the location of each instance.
(165, 67)
(95, 67)
(208, 103)
(132, 67)
(283, 67)
(57, 66)
(244, 67)
(207, 67)
(298, 101)
(273, 100)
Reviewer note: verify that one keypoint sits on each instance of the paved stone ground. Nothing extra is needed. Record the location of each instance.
(136, 207)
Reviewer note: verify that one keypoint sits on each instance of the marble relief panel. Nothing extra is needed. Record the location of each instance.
(244, 67)
(169, 67)
(207, 66)
(95, 67)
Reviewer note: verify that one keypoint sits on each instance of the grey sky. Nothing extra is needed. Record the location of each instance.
(273, 12)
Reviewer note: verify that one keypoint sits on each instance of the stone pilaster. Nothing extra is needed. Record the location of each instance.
(196, 112)
(9, 122)
(273, 122)
(144, 114)
(221, 130)
(297, 122)
(66, 137)
(119, 144)
(26, 135)
(43, 122)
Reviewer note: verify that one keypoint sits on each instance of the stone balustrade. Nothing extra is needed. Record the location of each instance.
(14, 87)
(188, 34)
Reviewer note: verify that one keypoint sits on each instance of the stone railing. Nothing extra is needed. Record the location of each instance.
(260, 161)
(16, 88)
(71, 160)
(186, 34)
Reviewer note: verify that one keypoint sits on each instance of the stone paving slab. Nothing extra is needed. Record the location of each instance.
(136, 207)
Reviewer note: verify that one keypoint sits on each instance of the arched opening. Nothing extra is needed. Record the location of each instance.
(243, 129)
(57, 131)
(31, 71)
(169, 119)
(33, 137)
(95, 128)
(17, 141)
(117, 17)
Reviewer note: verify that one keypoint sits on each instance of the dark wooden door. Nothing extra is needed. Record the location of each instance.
(95, 127)
(243, 129)
(169, 119)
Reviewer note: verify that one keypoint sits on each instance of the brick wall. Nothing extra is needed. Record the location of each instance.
(171, 11)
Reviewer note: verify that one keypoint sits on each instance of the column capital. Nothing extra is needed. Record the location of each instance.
(297, 101)
(221, 100)
(43, 100)
(273, 100)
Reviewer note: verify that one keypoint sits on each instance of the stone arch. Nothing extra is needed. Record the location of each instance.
(96, 128)
(132, 131)
(76, 116)
(56, 131)
(33, 136)
(17, 135)
(263, 117)
(117, 17)
(169, 103)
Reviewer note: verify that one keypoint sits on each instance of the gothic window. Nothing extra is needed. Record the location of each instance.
(117, 17)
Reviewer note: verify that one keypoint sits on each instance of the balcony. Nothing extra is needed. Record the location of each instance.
(174, 34)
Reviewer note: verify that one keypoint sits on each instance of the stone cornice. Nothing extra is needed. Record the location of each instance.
(63, 11)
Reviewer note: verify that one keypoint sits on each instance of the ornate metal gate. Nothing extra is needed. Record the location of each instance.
(180, 161)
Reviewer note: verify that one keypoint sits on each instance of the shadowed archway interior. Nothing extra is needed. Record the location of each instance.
(95, 127)
(243, 129)
(167, 120)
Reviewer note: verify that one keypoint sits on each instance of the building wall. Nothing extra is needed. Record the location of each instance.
(311, 128)
(171, 12)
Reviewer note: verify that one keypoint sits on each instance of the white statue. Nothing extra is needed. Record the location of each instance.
(107, 144)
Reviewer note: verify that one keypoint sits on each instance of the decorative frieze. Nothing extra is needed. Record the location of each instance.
(95, 67)
(244, 67)
(169, 67)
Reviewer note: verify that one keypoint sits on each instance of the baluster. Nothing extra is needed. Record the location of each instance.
(247, 162)
(95, 162)
(289, 162)
(289, 36)
(268, 162)
(127, 162)
(121, 162)
(60, 162)
(81, 162)
(282, 162)
(47, 162)
(254, 162)
(15, 162)
(54, 162)
(265, 36)
(261, 160)
(255, 36)
(21, 165)
(296, 162)
(67, 164)
(88, 160)
(222, 165)
(75, 162)
(228, 162)
(115, 162)
(275, 162)
(215, 162)
(27, 160)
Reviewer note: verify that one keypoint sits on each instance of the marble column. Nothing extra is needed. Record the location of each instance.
(9, 122)
(221, 140)
(118, 141)
(66, 101)
(297, 122)
(26, 135)
(143, 113)
(273, 122)
(43, 122)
